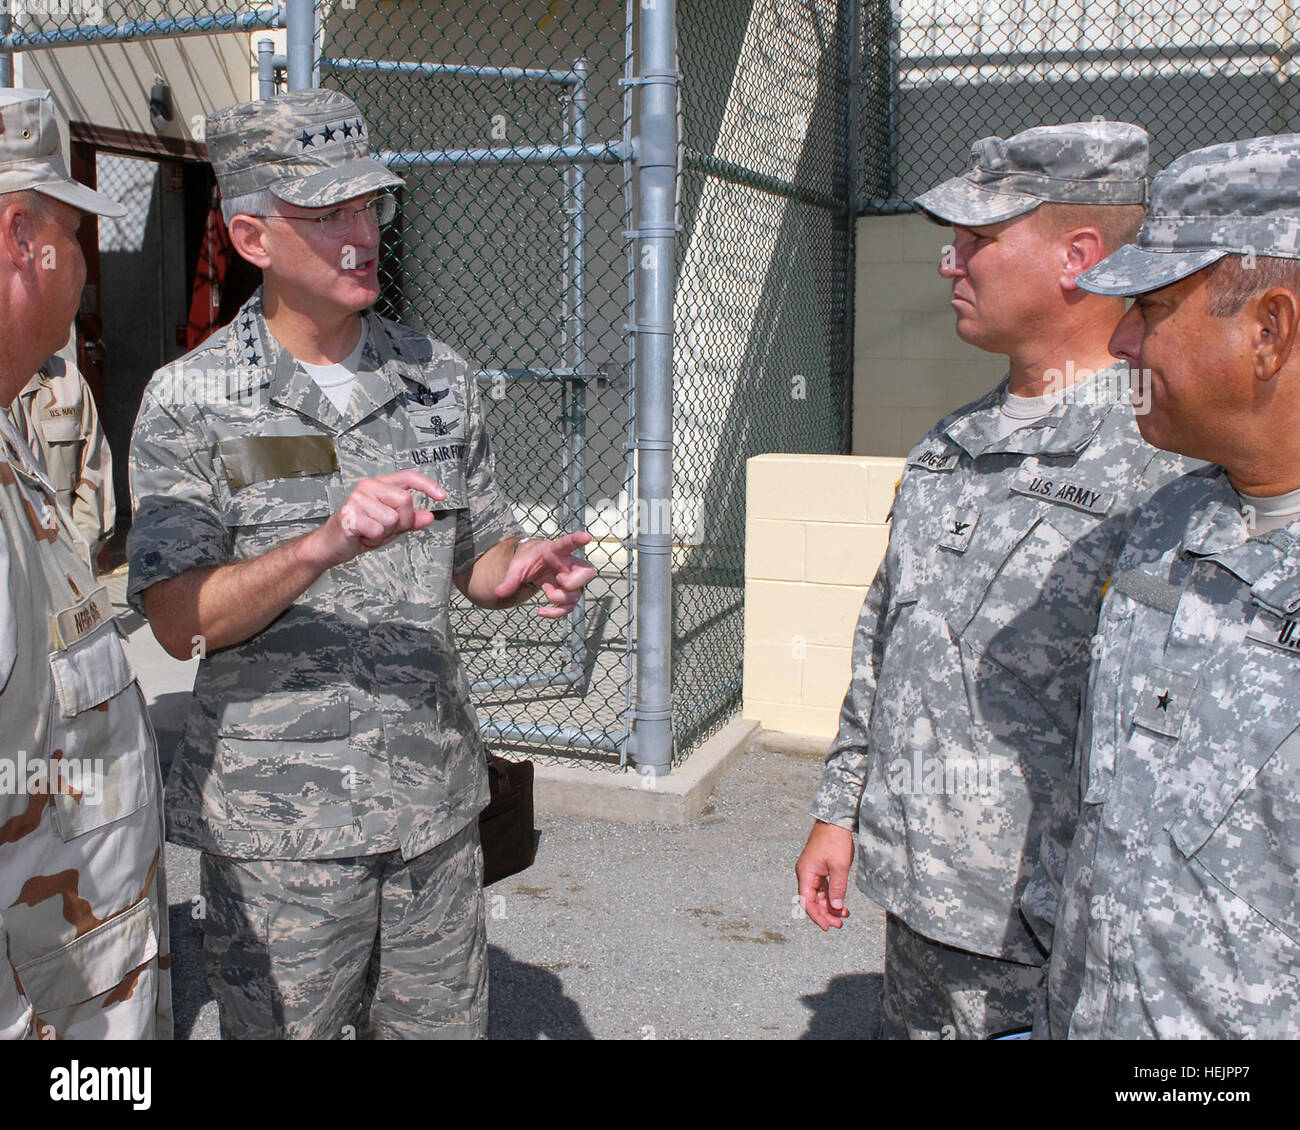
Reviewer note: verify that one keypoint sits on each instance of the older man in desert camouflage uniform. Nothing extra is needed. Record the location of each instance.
(973, 640)
(83, 913)
(1179, 916)
(308, 485)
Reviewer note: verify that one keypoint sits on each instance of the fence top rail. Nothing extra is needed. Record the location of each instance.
(460, 70)
(91, 34)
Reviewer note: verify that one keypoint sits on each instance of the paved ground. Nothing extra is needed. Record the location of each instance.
(622, 931)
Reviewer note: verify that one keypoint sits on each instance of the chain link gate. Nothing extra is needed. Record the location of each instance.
(938, 76)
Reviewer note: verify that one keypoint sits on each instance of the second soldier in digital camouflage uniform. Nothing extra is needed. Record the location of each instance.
(308, 484)
(1179, 916)
(973, 642)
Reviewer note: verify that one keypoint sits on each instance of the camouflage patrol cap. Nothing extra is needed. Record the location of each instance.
(309, 147)
(1076, 163)
(1236, 198)
(31, 157)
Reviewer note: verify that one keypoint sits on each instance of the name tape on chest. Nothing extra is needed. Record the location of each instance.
(1273, 631)
(79, 620)
(1066, 492)
(935, 459)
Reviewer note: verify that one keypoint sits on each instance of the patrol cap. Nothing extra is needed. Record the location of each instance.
(309, 147)
(31, 156)
(1076, 163)
(1240, 197)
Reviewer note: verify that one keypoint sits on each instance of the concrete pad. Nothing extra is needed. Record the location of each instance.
(673, 799)
(792, 745)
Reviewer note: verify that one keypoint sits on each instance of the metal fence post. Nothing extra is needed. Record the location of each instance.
(655, 163)
(266, 68)
(6, 57)
(300, 24)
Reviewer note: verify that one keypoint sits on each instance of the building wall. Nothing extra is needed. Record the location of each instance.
(109, 85)
(910, 368)
(815, 535)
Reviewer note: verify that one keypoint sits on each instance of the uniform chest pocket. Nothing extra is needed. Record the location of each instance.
(266, 513)
(101, 751)
(61, 429)
(1243, 827)
(285, 760)
(1039, 608)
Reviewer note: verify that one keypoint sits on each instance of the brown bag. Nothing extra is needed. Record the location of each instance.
(505, 827)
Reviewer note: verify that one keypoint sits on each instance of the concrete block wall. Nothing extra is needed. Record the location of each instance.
(909, 366)
(815, 533)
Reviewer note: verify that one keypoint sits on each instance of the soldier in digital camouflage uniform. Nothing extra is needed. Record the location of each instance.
(56, 414)
(83, 910)
(307, 485)
(1179, 915)
(974, 637)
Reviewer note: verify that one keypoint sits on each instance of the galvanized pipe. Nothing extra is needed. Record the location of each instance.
(453, 70)
(655, 161)
(511, 731)
(6, 57)
(600, 152)
(266, 68)
(144, 29)
(575, 330)
(300, 24)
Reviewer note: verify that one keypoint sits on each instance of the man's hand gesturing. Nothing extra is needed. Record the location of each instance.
(552, 567)
(377, 511)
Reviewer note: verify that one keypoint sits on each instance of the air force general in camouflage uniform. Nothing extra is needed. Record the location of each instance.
(974, 638)
(83, 911)
(331, 769)
(1179, 916)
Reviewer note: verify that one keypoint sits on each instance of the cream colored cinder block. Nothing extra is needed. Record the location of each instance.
(772, 671)
(923, 241)
(840, 554)
(810, 721)
(774, 550)
(807, 488)
(826, 675)
(781, 612)
(880, 334)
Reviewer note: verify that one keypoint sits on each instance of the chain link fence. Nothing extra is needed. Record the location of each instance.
(938, 75)
(763, 307)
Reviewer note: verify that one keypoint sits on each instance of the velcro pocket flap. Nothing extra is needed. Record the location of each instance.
(254, 459)
(90, 671)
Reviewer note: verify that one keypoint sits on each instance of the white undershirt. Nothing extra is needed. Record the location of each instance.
(1270, 513)
(336, 380)
(1017, 411)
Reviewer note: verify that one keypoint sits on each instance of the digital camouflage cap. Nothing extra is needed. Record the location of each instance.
(1077, 163)
(308, 147)
(1241, 197)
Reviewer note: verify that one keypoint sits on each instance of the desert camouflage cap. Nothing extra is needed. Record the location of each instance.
(309, 147)
(32, 158)
(1240, 198)
(1096, 162)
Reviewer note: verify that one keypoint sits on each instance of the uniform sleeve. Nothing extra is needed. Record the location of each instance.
(177, 524)
(15, 1009)
(94, 510)
(487, 516)
(846, 763)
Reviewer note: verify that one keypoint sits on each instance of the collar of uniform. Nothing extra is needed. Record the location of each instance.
(1068, 428)
(292, 387)
(1269, 563)
(18, 453)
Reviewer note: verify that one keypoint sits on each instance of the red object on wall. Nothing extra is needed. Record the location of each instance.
(215, 254)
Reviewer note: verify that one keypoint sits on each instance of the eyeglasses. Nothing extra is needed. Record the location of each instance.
(381, 210)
